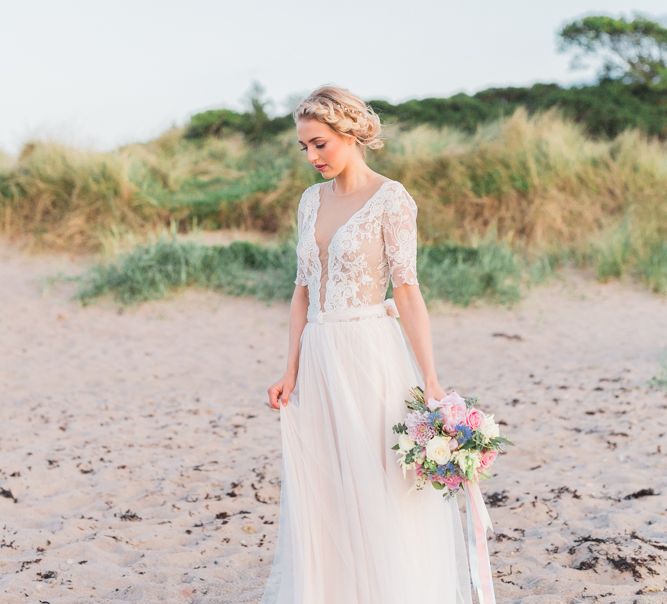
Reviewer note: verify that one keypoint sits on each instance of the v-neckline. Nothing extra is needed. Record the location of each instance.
(318, 199)
(318, 202)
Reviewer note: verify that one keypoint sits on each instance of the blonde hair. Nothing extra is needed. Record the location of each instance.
(345, 112)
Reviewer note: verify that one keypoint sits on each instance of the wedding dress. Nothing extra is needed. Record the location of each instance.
(350, 531)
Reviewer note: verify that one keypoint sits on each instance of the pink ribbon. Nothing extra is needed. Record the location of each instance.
(478, 521)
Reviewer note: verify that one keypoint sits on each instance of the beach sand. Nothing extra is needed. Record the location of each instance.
(140, 463)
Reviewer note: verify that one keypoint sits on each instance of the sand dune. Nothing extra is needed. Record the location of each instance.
(140, 463)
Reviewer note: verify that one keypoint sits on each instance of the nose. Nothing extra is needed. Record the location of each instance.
(312, 157)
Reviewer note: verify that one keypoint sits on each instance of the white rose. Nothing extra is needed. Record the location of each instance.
(489, 427)
(405, 442)
(437, 449)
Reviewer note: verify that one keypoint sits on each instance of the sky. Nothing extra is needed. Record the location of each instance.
(97, 74)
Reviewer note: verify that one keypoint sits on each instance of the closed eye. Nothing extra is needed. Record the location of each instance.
(318, 146)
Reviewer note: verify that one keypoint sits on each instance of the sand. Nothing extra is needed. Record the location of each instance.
(140, 463)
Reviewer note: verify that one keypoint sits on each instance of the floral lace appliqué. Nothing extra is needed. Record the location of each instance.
(377, 243)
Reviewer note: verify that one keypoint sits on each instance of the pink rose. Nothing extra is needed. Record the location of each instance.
(487, 458)
(453, 414)
(453, 482)
(474, 418)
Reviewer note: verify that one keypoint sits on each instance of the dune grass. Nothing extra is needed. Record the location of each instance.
(537, 189)
(460, 274)
(156, 270)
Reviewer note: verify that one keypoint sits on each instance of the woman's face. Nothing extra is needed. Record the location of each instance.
(327, 150)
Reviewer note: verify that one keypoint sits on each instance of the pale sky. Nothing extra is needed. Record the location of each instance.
(97, 74)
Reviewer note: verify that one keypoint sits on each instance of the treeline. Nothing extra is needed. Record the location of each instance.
(604, 110)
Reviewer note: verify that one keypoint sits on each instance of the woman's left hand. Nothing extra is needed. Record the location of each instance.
(434, 390)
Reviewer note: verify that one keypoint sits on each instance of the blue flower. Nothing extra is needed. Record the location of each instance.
(433, 416)
(464, 433)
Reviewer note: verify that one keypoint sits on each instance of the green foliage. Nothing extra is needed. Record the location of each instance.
(604, 109)
(614, 253)
(622, 251)
(545, 265)
(652, 266)
(632, 51)
(216, 122)
(475, 442)
(153, 271)
(497, 442)
(463, 274)
(255, 124)
(471, 401)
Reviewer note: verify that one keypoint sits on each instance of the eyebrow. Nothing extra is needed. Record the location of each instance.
(312, 139)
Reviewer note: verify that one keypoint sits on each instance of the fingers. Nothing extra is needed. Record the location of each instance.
(278, 394)
(273, 392)
(284, 395)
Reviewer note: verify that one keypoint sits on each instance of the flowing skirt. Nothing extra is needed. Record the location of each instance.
(350, 532)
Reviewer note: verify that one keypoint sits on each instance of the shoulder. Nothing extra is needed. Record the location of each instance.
(309, 192)
(306, 195)
(398, 198)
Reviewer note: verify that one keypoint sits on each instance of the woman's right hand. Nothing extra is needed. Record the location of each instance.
(281, 390)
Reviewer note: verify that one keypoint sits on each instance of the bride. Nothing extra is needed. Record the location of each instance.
(350, 529)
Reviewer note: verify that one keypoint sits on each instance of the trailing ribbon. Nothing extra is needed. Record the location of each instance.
(479, 521)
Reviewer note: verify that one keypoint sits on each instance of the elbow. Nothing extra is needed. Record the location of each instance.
(406, 296)
(406, 291)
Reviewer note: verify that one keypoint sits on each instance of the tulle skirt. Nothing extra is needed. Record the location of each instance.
(350, 531)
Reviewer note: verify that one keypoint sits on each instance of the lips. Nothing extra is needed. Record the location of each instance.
(321, 167)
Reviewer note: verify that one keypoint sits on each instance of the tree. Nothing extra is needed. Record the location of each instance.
(631, 51)
(257, 113)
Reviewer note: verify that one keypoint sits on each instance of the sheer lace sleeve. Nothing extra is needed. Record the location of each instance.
(300, 272)
(399, 230)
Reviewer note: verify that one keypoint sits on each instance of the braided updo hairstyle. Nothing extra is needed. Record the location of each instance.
(345, 112)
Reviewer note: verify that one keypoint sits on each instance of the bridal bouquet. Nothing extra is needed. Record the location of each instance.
(451, 444)
(448, 442)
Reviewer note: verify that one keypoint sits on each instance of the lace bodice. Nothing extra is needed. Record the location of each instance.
(376, 243)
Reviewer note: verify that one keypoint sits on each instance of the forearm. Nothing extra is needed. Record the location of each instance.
(297, 321)
(417, 326)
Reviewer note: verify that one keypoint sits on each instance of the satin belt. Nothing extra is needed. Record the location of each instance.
(478, 521)
(352, 313)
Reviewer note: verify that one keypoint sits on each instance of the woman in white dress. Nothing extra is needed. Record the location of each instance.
(350, 530)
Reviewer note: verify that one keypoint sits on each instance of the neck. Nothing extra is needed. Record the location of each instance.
(349, 184)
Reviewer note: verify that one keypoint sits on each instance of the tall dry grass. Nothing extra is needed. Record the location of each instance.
(538, 184)
(66, 199)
